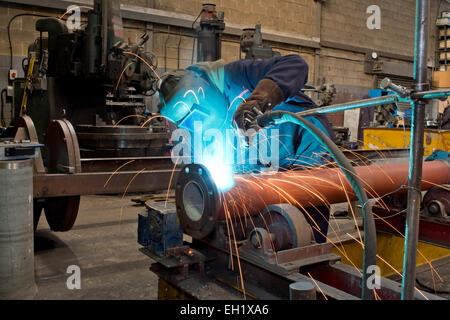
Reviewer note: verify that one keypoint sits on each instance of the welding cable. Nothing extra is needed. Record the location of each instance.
(9, 32)
(370, 240)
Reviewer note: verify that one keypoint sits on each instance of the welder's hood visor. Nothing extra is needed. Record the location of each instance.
(189, 97)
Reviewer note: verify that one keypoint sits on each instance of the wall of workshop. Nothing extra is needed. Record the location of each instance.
(341, 23)
(344, 24)
(173, 45)
(295, 16)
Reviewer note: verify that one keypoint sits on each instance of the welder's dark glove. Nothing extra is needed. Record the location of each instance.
(266, 96)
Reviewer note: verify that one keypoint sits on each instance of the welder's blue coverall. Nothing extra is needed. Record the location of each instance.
(297, 146)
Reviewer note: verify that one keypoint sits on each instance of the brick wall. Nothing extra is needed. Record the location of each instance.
(342, 22)
(22, 28)
(345, 21)
(297, 16)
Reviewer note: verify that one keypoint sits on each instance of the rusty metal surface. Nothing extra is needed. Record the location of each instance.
(126, 164)
(265, 282)
(304, 189)
(122, 141)
(178, 258)
(323, 289)
(63, 157)
(288, 261)
(63, 149)
(304, 252)
(367, 157)
(318, 186)
(27, 123)
(57, 185)
(348, 279)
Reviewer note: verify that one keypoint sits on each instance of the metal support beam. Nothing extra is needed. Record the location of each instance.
(62, 185)
(417, 152)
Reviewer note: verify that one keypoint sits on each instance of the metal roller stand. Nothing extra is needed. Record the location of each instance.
(16, 230)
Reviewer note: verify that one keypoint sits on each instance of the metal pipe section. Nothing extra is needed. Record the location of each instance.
(350, 105)
(416, 153)
(16, 231)
(64, 185)
(303, 189)
(392, 99)
(432, 94)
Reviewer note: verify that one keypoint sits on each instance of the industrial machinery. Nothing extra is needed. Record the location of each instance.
(387, 128)
(114, 77)
(239, 240)
(255, 240)
(65, 175)
(252, 45)
(83, 102)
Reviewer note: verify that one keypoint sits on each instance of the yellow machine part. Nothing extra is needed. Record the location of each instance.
(27, 83)
(390, 253)
(397, 138)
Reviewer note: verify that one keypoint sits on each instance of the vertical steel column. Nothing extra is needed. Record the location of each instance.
(416, 153)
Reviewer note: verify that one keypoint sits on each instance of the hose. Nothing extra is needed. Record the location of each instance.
(370, 240)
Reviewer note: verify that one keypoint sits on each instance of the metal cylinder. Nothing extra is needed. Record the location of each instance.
(304, 290)
(16, 230)
(200, 210)
(417, 152)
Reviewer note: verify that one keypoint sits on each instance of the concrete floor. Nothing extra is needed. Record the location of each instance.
(103, 243)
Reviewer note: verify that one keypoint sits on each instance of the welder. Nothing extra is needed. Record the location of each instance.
(222, 96)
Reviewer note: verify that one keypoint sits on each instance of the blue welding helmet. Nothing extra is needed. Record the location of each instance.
(188, 97)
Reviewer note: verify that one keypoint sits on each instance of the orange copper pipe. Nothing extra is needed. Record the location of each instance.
(318, 187)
